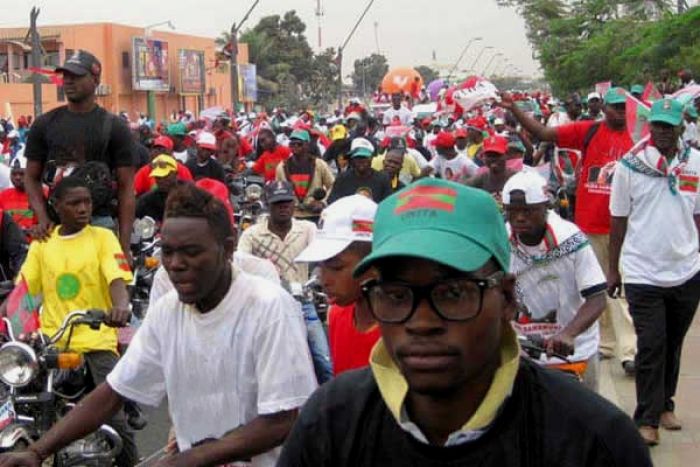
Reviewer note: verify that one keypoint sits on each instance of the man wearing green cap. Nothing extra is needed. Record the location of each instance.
(361, 178)
(177, 132)
(655, 207)
(601, 144)
(637, 91)
(307, 174)
(690, 133)
(446, 385)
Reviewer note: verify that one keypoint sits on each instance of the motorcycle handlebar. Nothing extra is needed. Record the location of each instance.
(92, 318)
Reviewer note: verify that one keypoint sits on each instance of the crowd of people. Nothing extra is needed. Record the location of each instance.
(443, 244)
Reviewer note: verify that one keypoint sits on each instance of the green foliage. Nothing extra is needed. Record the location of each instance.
(289, 73)
(581, 42)
(368, 73)
(427, 73)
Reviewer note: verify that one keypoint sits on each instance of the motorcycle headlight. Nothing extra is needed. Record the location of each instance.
(18, 364)
(253, 192)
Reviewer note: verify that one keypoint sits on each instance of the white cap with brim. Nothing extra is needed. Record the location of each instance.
(530, 183)
(348, 220)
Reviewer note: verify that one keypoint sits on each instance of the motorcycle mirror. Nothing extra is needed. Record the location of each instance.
(319, 194)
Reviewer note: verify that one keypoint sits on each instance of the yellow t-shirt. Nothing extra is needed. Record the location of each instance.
(473, 150)
(409, 168)
(73, 273)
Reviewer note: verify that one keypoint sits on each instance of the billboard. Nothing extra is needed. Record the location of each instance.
(247, 82)
(191, 70)
(150, 70)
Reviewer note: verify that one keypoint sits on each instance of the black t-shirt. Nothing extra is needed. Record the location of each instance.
(152, 204)
(71, 139)
(376, 186)
(212, 169)
(549, 420)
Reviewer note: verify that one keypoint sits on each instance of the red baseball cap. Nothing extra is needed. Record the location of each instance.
(495, 144)
(163, 142)
(477, 123)
(461, 133)
(444, 140)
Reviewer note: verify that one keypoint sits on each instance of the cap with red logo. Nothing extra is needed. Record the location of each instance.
(495, 145)
(444, 140)
(206, 140)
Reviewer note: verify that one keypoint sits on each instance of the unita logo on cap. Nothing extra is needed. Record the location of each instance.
(426, 198)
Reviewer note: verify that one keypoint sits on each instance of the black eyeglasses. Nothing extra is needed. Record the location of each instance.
(452, 299)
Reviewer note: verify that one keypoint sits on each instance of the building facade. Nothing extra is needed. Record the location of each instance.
(188, 73)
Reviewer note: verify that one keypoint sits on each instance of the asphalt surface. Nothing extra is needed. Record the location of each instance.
(155, 435)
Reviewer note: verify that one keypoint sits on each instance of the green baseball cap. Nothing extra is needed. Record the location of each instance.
(615, 96)
(301, 135)
(441, 221)
(637, 89)
(667, 111)
(176, 129)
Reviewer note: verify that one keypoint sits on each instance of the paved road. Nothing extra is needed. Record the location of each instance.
(154, 436)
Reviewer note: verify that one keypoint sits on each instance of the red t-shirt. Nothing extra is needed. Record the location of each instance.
(16, 204)
(592, 213)
(268, 161)
(143, 182)
(349, 347)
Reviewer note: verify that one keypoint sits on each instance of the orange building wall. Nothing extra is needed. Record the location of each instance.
(107, 41)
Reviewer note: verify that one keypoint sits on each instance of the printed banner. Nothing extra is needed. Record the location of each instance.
(150, 69)
(192, 72)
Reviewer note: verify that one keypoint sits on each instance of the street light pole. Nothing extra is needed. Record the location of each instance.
(461, 56)
(36, 61)
(342, 48)
(483, 73)
(483, 49)
(234, 58)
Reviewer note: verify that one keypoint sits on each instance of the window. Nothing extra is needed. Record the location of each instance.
(126, 64)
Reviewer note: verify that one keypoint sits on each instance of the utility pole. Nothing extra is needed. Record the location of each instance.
(36, 60)
(319, 18)
(682, 6)
(340, 53)
(376, 37)
(234, 59)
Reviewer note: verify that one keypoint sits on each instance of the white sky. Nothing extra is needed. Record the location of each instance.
(408, 30)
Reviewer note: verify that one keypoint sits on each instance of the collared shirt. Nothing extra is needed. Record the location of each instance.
(661, 243)
(394, 388)
(259, 241)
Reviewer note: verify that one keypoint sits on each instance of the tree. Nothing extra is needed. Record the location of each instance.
(368, 74)
(427, 73)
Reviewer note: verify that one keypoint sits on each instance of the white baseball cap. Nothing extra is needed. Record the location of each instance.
(361, 147)
(499, 121)
(594, 95)
(529, 182)
(348, 220)
(206, 140)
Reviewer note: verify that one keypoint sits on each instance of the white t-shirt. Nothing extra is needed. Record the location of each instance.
(455, 169)
(245, 358)
(181, 156)
(661, 244)
(690, 134)
(405, 116)
(418, 157)
(555, 287)
(5, 176)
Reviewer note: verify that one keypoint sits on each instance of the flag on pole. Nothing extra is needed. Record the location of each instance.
(637, 118)
(651, 94)
(22, 309)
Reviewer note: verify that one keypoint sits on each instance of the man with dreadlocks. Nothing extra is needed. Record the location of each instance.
(227, 349)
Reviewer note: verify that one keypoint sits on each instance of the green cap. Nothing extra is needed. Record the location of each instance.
(616, 96)
(176, 129)
(691, 111)
(667, 111)
(441, 221)
(637, 89)
(301, 135)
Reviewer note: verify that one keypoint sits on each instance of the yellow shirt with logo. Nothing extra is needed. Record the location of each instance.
(409, 168)
(73, 272)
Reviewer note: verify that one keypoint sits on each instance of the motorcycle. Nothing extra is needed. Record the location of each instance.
(145, 249)
(534, 348)
(246, 190)
(43, 383)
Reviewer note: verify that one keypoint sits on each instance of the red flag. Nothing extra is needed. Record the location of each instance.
(651, 93)
(23, 309)
(56, 78)
(602, 88)
(637, 118)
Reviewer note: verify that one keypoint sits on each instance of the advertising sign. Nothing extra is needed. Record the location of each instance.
(248, 82)
(191, 70)
(151, 71)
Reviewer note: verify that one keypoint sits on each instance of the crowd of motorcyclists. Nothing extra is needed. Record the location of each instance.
(370, 238)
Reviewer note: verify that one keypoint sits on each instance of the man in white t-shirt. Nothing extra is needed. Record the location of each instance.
(655, 208)
(397, 111)
(560, 284)
(449, 164)
(226, 348)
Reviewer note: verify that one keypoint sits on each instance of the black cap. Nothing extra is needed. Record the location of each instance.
(276, 192)
(81, 63)
(397, 143)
